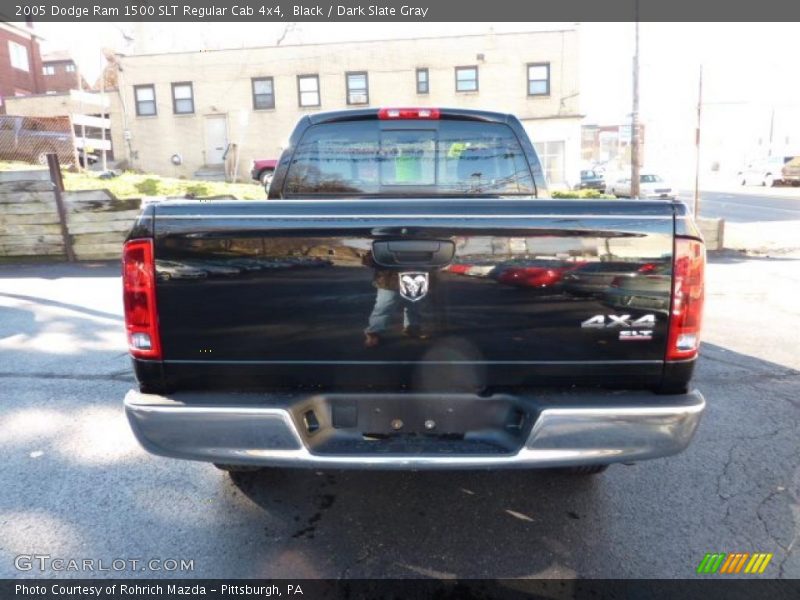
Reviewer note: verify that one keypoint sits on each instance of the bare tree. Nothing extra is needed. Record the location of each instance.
(287, 29)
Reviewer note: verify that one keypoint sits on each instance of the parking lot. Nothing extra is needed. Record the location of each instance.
(76, 484)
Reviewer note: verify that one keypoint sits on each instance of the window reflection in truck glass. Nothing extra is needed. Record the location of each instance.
(452, 158)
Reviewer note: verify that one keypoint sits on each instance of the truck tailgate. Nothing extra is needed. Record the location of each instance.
(454, 294)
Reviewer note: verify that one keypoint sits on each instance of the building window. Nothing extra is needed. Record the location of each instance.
(19, 56)
(308, 90)
(263, 93)
(182, 98)
(70, 68)
(145, 100)
(552, 157)
(466, 79)
(357, 87)
(423, 86)
(539, 79)
(48, 70)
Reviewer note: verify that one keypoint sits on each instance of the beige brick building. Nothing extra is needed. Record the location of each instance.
(193, 104)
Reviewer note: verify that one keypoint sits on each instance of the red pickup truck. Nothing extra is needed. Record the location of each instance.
(263, 169)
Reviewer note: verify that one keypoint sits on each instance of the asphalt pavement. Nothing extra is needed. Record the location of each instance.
(745, 204)
(75, 484)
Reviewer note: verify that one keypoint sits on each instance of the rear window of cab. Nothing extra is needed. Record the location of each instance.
(431, 158)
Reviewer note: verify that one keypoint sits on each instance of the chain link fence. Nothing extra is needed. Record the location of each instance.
(30, 139)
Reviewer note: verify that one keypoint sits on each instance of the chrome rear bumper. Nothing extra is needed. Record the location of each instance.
(644, 426)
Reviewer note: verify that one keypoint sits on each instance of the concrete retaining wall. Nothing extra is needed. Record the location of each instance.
(713, 232)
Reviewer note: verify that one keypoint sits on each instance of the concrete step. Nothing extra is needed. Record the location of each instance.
(210, 173)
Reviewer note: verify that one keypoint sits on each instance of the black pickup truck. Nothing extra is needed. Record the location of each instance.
(409, 296)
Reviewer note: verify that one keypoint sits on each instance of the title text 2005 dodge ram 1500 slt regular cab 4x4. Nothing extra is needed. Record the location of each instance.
(360, 316)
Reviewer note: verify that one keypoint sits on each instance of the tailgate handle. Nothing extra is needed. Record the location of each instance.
(428, 253)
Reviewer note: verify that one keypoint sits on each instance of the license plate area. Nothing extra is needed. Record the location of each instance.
(414, 424)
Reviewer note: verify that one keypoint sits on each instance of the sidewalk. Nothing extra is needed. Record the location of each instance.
(764, 237)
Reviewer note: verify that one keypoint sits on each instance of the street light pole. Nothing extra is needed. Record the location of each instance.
(635, 115)
(697, 146)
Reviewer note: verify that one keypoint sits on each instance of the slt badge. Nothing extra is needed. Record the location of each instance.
(413, 286)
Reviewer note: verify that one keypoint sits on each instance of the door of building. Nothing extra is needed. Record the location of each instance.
(216, 139)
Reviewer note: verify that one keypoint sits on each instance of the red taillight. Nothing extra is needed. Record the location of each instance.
(687, 299)
(139, 299)
(408, 113)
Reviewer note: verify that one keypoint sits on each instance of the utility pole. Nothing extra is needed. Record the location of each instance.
(697, 145)
(103, 113)
(771, 129)
(635, 115)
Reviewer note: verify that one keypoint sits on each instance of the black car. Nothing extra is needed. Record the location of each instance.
(591, 180)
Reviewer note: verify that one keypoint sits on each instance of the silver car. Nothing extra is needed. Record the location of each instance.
(651, 186)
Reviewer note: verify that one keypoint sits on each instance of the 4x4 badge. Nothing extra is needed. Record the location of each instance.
(602, 321)
(413, 286)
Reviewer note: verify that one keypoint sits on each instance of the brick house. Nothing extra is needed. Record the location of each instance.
(20, 63)
(59, 72)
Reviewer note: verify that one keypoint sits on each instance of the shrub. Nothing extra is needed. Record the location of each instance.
(148, 187)
(197, 190)
(581, 194)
